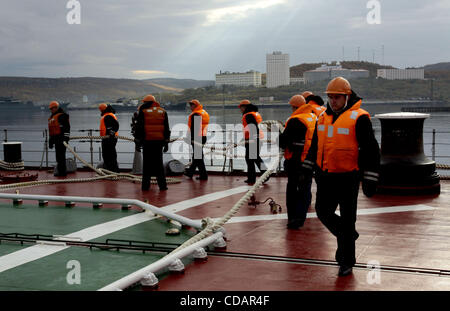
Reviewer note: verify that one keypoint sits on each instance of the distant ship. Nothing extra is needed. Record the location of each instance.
(12, 104)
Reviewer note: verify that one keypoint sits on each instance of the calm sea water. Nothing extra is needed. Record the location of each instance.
(29, 129)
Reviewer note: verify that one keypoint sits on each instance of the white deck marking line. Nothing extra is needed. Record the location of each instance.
(180, 206)
(366, 211)
(35, 252)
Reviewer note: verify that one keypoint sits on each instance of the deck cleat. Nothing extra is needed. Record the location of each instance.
(69, 204)
(150, 282)
(173, 231)
(126, 207)
(176, 266)
(17, 202)
(200, 254)
(43, 203)
(220, 243)
(97, 205)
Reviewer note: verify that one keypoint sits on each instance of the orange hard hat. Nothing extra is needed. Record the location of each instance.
(102, 106)
(195, 102)
(297, 101)
(305, 94)
(244, 102)
(53, 104)
(339, 85)
(149, 98)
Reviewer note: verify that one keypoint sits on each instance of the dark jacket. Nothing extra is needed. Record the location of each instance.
(369, 151)
(250, 119)
(317, 99)
(111, 124)
(64, 122)
(292, 136)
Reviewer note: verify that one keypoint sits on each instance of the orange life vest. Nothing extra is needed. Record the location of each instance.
(337, 147)
(154, 122)
(205, 120)
(305, 115)
(317, 109)
(102, 123)
(258, 119)
(54, 128)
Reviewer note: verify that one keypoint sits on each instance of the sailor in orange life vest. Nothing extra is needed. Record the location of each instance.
(59, 131)
(109, 127)
(252, 135)
(343, 151)
(316, 102)
(296, 140)
(152, 131)
(198, 122)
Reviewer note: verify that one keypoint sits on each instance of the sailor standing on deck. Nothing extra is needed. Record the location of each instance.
(152, 131)
(59, 131)
(252, 135)
(198, 122)
(109, 126)
(296, 140)
(343, 151)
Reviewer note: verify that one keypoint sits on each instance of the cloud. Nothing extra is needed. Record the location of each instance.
(232, 13)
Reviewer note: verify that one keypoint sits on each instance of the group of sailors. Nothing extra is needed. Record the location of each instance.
(334, 142)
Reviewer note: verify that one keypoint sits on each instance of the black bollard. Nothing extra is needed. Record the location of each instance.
(405, 170)
(12, 152)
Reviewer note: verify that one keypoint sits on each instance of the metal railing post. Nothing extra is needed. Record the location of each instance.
(6, 135)
(46, 147)
(433, 145)
(91, 147)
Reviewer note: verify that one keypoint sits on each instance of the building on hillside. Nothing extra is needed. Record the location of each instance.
(296, 80)
(326, 72)
(401, 74)
(277, 68)
(249, 78)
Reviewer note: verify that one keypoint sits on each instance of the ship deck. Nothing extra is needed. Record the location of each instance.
(404, 241)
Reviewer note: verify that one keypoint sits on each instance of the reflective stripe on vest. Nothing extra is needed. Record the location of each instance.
(337, 147)
(154, 123)
(54, 128)
(102, 123)
(258, 119)
(309, 121)
(205, 121)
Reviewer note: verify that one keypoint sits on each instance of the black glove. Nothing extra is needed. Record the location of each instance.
(305, 176)
(112, 134)
(66, 138)
(166, 148)
(369, 187)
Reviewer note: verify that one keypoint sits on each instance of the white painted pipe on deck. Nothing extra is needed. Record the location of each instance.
(164, 262)
(184, 220)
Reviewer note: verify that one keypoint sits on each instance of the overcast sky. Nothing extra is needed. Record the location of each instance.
(197, 38)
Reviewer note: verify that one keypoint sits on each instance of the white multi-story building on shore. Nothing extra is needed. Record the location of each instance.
(250, 78)
(326, 72)
(401, 74)
(277, 68)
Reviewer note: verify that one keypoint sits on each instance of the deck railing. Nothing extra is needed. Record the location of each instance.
(436, 145)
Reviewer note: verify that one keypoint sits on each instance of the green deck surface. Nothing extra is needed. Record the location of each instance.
(98, 267)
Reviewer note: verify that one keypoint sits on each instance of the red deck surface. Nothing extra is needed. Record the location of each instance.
(415, 239)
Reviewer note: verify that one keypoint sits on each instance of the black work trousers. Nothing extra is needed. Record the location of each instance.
(198, 161)
(60, 153)
(153, 164)
(298, 197)
(253, 159)
(109, 154)
(341, 189)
